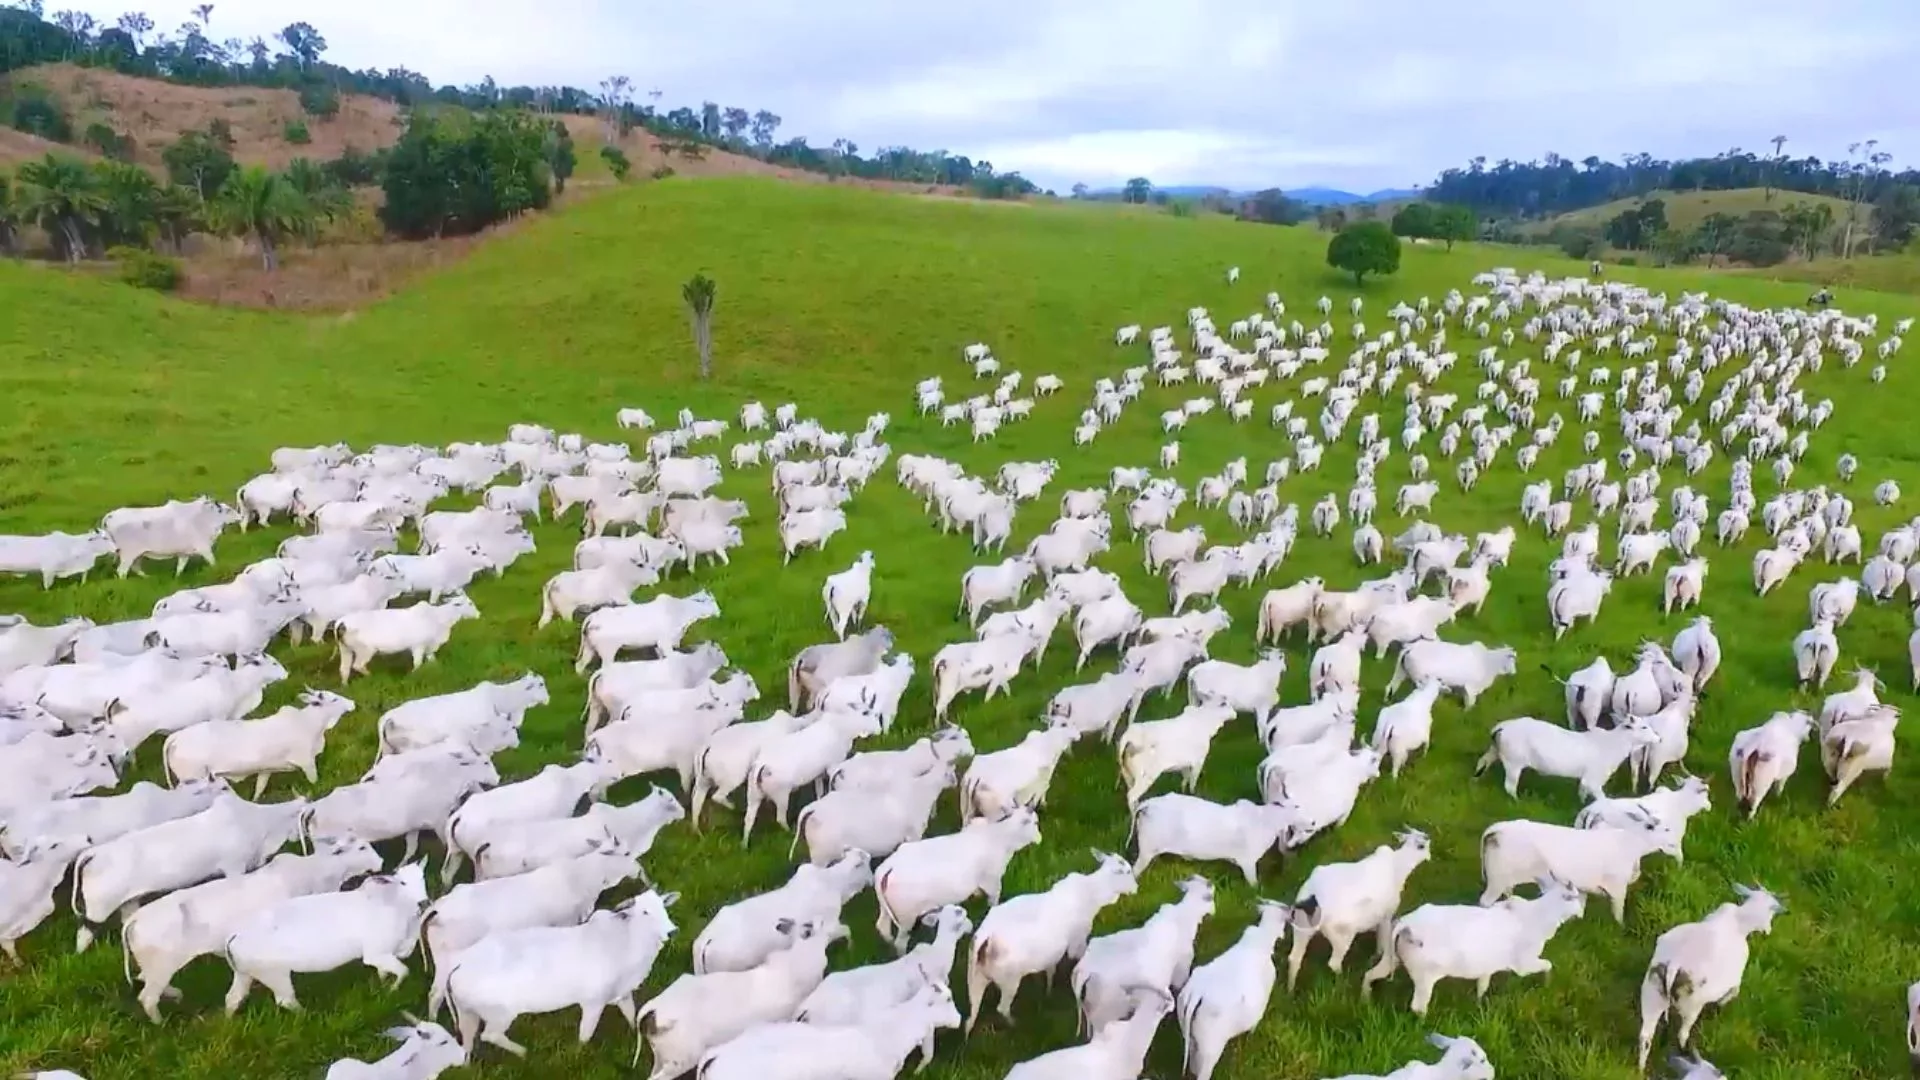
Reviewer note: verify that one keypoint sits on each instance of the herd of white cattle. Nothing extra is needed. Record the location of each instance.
(192, 869)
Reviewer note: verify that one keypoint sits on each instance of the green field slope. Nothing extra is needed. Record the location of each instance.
(1686, 209)
(840, 300)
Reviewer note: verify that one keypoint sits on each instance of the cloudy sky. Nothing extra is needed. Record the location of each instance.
(1357, 94)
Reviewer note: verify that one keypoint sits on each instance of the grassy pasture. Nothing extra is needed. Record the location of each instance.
(839, 300)
(1686, 209)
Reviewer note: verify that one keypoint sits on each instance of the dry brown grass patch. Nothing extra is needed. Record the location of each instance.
(155, 113)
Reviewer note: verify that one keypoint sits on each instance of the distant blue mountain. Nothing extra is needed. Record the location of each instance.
(1321, 196)
(1317, 196)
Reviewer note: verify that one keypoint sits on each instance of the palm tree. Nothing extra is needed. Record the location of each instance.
(698, 293)
(1778, 141)
(59, 194)
(177, 211)
(262, 205)
(129, 194)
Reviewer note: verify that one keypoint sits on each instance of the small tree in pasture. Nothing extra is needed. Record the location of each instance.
(1368, 247)
(698, 292)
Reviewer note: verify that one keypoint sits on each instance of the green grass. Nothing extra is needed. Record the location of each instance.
(839, 300)
(1899, 273)
(1685, 209)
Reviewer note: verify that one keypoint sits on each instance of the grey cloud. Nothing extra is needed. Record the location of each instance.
(1359, 93)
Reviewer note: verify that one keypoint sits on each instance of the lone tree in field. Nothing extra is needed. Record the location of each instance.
(1367, 247)
(1454, 222)
(698, 293)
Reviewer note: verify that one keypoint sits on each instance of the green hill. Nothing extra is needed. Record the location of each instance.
(1686, 209)
(840, 300)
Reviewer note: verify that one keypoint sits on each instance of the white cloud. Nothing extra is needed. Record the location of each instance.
(1247, 93)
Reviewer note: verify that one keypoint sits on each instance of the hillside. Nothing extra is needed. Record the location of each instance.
(18, 146)
(839, 300)
(1686, 209)
(155, 113)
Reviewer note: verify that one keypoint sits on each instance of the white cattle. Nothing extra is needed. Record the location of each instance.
(419, 630)
(1156, 955)
(1591, 756)
(1341, 901)
(1602, 861)
(742, 935)
(599, 963)
(377, 923)
(169, 932)
(231, 836)
(1032, 934)
(1701, 963)
(657, 624)
(926, 875)
(290, 739)
(1198, 830)
(1227, 996)
(1467, 941)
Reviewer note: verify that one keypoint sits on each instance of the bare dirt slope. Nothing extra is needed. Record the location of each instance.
(155, 113)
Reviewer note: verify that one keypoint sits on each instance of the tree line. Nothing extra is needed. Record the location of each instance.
(1882, 206)
(295, 59)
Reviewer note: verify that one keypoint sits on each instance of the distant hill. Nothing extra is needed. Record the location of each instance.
(1323, 196)
(1686, 209)
(1317, 196)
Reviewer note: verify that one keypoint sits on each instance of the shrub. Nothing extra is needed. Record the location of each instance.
(661, 172)
(37, 114)
(146, 269)
(320, 99)
(297, 133)
(1627, 260)
(617, 161)
(110, 143)
(354, 168)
